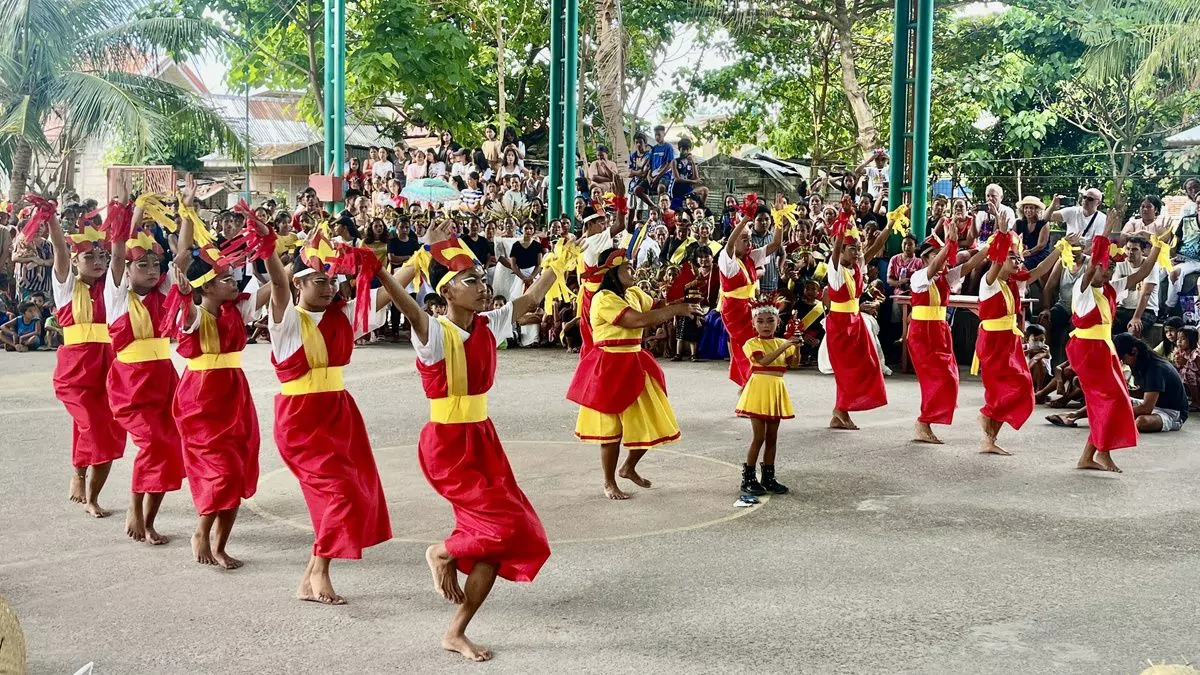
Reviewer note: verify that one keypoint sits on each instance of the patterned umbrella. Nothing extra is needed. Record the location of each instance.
(430, 191)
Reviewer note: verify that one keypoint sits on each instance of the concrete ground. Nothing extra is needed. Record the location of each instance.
(888, 557)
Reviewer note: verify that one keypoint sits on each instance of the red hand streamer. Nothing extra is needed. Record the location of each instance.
(43, 211)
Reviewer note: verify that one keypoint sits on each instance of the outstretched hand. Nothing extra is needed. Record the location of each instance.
(440, 231)
(189, 189)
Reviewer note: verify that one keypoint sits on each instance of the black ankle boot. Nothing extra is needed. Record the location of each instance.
(750, 484)
(769, 483)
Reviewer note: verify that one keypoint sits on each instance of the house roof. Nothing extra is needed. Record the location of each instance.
(275, 127)
(1185, 139)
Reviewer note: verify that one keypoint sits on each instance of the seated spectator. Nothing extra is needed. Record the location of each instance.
(23, 333)
(1037, 355)
(1171, 328)
(1163, 402)
(1187, 251)
(603, 172)
(1186, 357)
(1149, 220)
(1056, 304)
(1137, 308)
(1033, 230)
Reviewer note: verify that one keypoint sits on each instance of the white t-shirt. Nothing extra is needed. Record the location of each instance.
(919, 281)
(285, 335)
(1082, 300)
(594, 245)
(247, 307)
(500, 322)
(649, 253)
(1085, 226)
(729, 266)
(383, 168)
(1129, 298)
(876, 178)
(116, 298)
(463, 169)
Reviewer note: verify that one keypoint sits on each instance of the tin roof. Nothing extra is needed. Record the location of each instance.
(1185, 139)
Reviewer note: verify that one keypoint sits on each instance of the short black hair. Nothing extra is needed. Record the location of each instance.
(435, 300)
(1154, 200)
(25, 307)
(1175, 322)
(1035, 330)
(639, 136)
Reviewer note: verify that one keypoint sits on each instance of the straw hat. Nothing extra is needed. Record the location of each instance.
(12, 655)
(1030, 200)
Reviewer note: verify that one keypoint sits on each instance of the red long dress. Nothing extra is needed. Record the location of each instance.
(737, 291)
(141, 387)
(322, 439)
(1007, 384)
(215, 412)
(852, 354)
(81, 375)
(932, 350)
(1111, 423)
(463, 460)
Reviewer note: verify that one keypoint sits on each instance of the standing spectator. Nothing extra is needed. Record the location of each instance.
(639, 175)
(603, 172)
(1137, 308)
(446, 148)
(1033, 230)
(383, 167)
(418, 168)
(7, 233)
(511, 141)
(511, 166)
(877, 170)
(355, 181)
(936, 213)
(662, 164)
(1084, 220)
(760, 237)
(34, 258)
(1149, 220)
(491, 146)
(687, 174)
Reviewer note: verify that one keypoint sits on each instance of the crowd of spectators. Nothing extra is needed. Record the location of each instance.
(497, 196)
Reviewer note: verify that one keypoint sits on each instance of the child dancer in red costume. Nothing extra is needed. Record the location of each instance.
(216, 414)
(318, 428)
(496, 532)
(1094, 358)
(738, 265)
(81, 374)
(142, 381)
(929, 343)
(620, 388)
(999, 353)
(856, 371)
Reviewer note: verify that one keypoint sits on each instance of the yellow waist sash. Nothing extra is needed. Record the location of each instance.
(1006, 324)
(146, 349)
(1101, 331)
(458, 409)
(848, 307)
(80, 333)
(929, 313)
(215, 361)
(746, 292)
(315, 381)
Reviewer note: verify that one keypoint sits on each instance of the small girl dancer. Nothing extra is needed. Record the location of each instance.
(765, 399)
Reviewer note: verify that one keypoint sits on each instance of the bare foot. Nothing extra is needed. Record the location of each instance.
(1104, 459)
(95, 511)
(469, 650)
(613, 492)
(445, 574)
(1090, 465)
(632, 475)
(135, 529)
(988, 447)
(924, 434)
(76, 492)
(202, 551)
(843, 422)
(318, 588)
(154, 537)
(226, 561)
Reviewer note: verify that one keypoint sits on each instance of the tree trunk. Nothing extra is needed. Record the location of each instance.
(19, 177)
(1119, 178)
(864, 118)
(609, 68)
(501, 107)
(314, 81)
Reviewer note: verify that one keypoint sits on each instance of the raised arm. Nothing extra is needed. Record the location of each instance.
(934, 267)
(634, 319)
(62, 252)
(281, 287)
(1141, 273)
(776, 242)
(734, 236)
(1047, 265)
(875, 248)
(187, 234)
(975, 261)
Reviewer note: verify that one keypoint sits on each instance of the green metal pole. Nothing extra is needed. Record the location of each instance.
(554, 170)
(339, 93)
(923, 76)
(570, 100)
(327, 74)
(899, 104)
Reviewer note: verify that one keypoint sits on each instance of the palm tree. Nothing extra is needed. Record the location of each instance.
(1159, 37)
(65, 63)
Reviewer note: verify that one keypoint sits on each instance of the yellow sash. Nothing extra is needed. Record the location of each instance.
(210, 339)
(146, 349)
(929, 313)
(81, 303)
(851, 305)
(1102, 330)
(139, 318)
(746, 292)
(457, 407)
(320, 377)
(679, 253)
(1004, 324)
(215, 361)
(809, 319)
(86, 332)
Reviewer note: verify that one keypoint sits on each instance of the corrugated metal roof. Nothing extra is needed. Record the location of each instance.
(275, 128)
(1185, 139)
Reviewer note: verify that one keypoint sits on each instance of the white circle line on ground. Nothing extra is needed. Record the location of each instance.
(258, 509)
